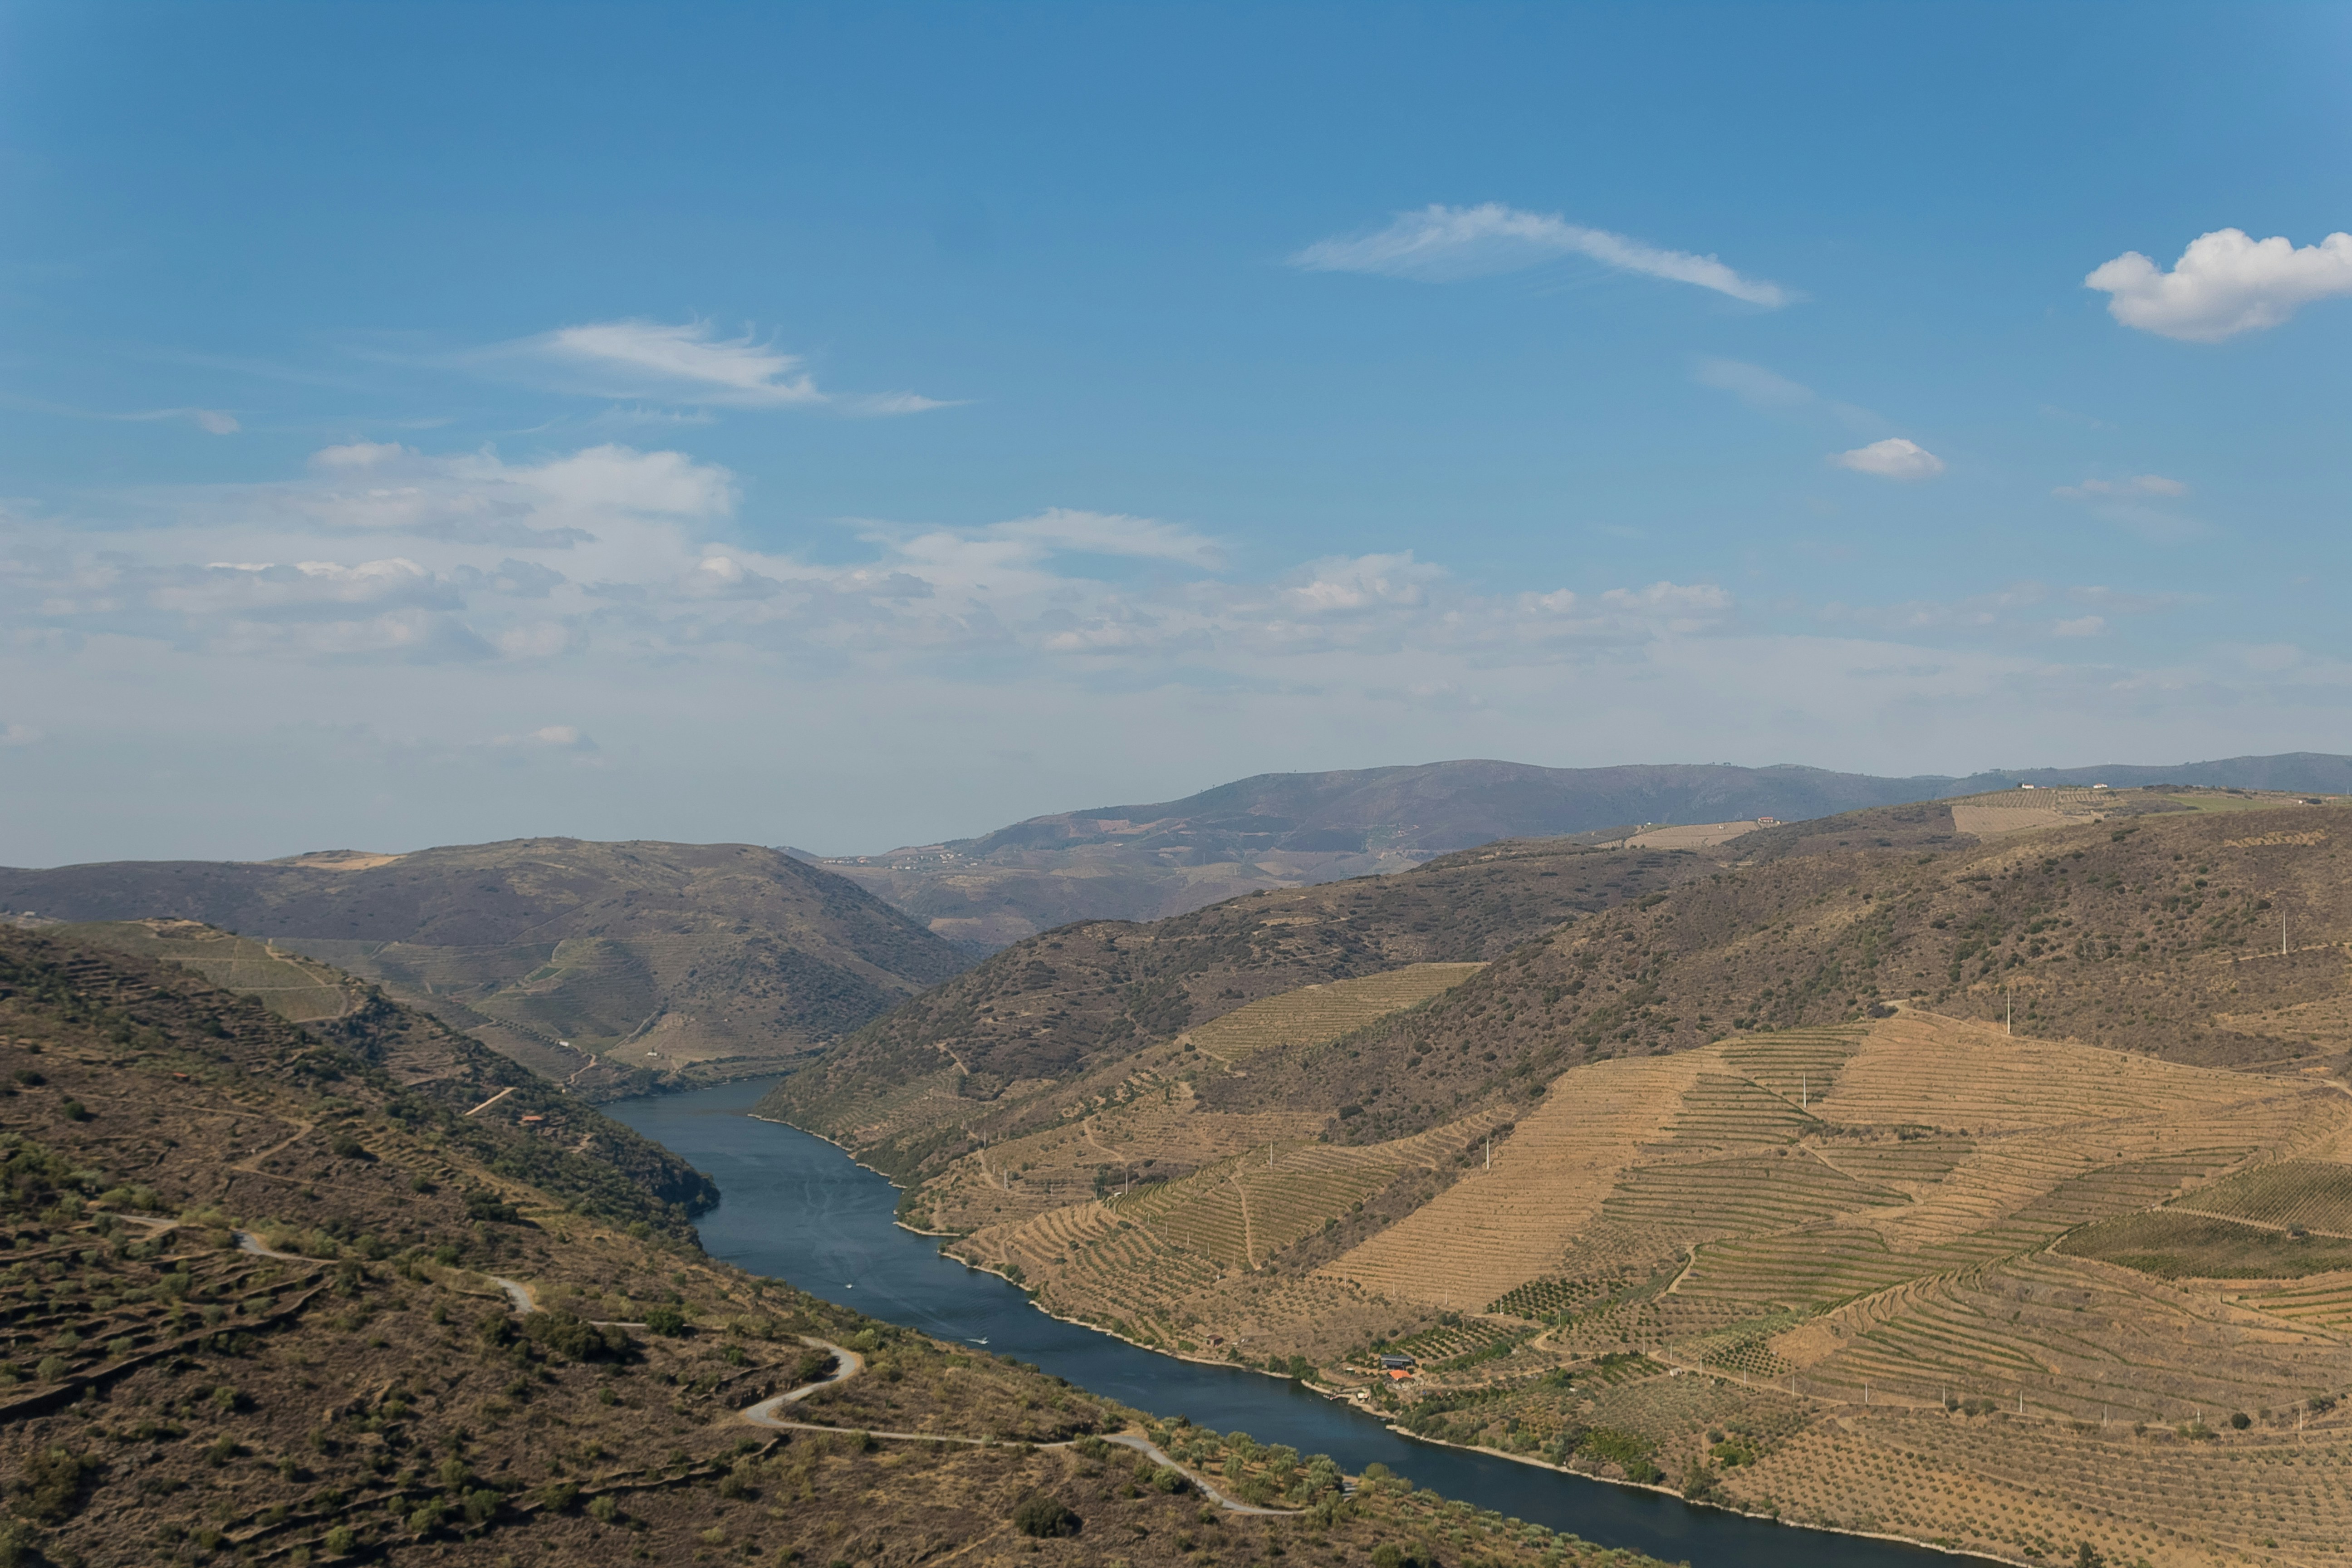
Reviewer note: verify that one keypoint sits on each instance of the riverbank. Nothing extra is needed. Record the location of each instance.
(1662, 1489)
(1345, 1398)
(798, 1206)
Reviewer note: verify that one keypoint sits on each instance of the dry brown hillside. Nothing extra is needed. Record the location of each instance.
(970, 1059)
(264, 1302)
(600, 962)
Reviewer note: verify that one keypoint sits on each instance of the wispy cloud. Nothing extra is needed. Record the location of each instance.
(382, 553)
(1112, 533)
(212, 421)
(1438, 244)
(690, 363)
(1769, 392)
(2138, 485)
(1892, 458)
(686, 358)
(2225, 282)
(2137, 505)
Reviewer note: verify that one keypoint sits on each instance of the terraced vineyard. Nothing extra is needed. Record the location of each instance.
(1955, 1249)
(1313, 1015)
(2295, 1194)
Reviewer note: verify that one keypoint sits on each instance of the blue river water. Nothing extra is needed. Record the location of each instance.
(794, 1207)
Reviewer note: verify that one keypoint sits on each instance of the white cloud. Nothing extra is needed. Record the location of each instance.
(1111, 534)
(686, 357)
(2138, 485)
(688, 362)
(2225, 283)
(1441, 243)
(1753, 384)
(2082, 626)
(18, 734)
(1673, 598)
(1340, 585)
(1892, 458)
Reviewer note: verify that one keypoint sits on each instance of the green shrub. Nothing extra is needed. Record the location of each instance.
(53, 1484)
(487, 1208)
(573, 1338)
(604, 1510)
(1039, 1515)
(557, 1497)
(341, 1542)
(666, 1322)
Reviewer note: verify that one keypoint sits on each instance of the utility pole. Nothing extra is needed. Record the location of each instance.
(1490, 1150)
(1804, 1093)
(2008, 1010)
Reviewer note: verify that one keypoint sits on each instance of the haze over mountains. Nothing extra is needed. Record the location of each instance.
(1279, 830)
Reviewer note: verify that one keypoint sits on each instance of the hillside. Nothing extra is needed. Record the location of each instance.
(602, 962)
(264, 1302)
(1277, 830)
(1759, 1118)
(994, 1052)
(2094, 929)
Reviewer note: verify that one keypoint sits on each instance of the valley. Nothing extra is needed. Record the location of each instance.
(361, 1289)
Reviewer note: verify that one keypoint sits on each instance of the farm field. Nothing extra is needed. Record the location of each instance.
(1313, 1015)
(1955, 1248)
(298, 989)
(2002, 1133)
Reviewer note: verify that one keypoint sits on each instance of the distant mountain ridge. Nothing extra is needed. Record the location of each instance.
(1278, 830)
(588, 961)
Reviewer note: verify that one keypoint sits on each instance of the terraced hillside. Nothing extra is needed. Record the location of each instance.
(264, 1301)
(1862, 1154)
(1071, 1017)
(1808, 1271)
(598, 963)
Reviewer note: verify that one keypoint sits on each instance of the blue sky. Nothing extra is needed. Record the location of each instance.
(852, 427)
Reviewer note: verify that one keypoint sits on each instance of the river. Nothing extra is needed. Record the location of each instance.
(794, 1207)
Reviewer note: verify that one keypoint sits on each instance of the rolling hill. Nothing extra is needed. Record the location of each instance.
(1149, 861)
(595, 963)
(2009, 1127)
(270, 1296)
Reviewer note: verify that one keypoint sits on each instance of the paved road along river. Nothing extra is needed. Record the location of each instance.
(794, 1207)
